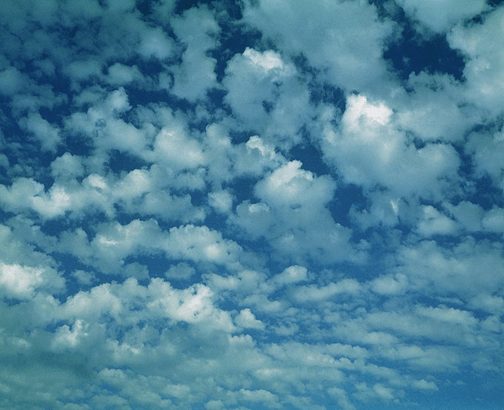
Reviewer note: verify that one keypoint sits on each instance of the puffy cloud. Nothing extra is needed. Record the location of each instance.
(120, 74)
(26, 193)
(445, 270)
(221, 201)
(292, 274)
(83, 70)
(258, 72)
(255, 157)
(331, 38)
(199, 243)
(293, 206)
(486, 149)
(67, 166)
(236, 192)
(168, 145)
(247, 320)
(198, 30)
(485, 60)
(436, 110)
(440, 16)
(114, 243)
(21, 282)
(312, 294)
(192, 305)
(467, 214)
(494, 220)
(287, 186)
(435, 223)
(155, 43)
(274, 101)
(390, 284)
(368, 149)
(11, 81)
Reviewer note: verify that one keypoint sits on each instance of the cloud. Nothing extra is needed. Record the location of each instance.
(485, 60)
(307, 294)
(247, 320)
(440, 16)
(155, 43)
(168, 143)
(11, 81)
(293, 205)
(331, 41)
(120, 74)
(21, 282)
(485, 149)
(251, 195)
(435, 223)
(369, 150)
(197, 30)
(433, 115)
(451, 269)
(266, 95)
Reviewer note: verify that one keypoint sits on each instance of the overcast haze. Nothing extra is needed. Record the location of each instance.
(257, 204)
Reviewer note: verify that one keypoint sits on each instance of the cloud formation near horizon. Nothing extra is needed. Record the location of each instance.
(251, 204)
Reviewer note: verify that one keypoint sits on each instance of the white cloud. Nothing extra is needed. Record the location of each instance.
(485, 60)
(467, 214)
(19, 281)
(221, 201)
(250, 81)
(155, 43)
(331, 39)
(288, 185)
(193, 305)
(292, 211)
(25, 193)
(255, 157)
(198, 31)
(368, 149)
(247, 320)
(390, 284)
(267, 96)
(199, 243)
(67, 166)
(180, 271)
(120, 74)
(314, 294)
(44, 132)
(83, 70)
(452, 269)
(441, 15)
(267, 61)
(70, 337)
(291, 275)
(11, 81)
(493, 220)
(91, 305)
(436, 110)
(434, 222)
(233, 199)
(487, 149)
(169, 144)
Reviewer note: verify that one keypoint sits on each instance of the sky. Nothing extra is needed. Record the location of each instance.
(251, 204)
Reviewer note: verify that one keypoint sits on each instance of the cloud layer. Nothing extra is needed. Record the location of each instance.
(251, 205)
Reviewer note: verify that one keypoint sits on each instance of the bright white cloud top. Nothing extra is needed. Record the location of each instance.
(262, 204)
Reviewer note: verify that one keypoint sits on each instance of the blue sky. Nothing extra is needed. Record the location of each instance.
(251, 204)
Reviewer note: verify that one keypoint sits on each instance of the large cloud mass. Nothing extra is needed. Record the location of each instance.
(251, 204)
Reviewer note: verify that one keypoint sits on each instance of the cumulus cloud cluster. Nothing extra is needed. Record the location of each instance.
(251, 204)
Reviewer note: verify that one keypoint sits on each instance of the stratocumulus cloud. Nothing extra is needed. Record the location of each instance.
(251, 204)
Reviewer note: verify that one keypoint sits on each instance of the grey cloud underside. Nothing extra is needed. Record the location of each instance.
(248, 205)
